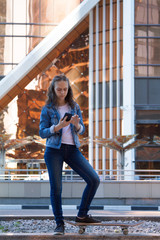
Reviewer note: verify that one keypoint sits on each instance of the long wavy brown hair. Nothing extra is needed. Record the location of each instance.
(51, 95)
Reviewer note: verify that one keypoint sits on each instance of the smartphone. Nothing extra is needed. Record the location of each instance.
(69, 115)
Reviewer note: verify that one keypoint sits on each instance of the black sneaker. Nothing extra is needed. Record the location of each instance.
(87, 219)
(59, 230)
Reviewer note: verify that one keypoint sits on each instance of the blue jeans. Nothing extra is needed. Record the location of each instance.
(70, 154)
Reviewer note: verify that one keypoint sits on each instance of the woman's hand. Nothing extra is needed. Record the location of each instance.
(62, 123)
(75, 121)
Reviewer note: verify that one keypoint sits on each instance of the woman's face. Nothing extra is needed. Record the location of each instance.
(61, 90)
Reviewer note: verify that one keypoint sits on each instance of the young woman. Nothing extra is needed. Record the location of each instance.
(62, 146)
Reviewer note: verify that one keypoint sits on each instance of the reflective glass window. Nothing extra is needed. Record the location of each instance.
(140, 11)
(3, 7)
(19, 30)
(18, 43)
(154, 71)
(140, 71)
(6, 29)
(154, 51)
(24, 24)
(140, 31)
(153, 11)
(141, 93)
(147, 39)
(147, 91)
(154, 31)
(6, 49)
(147, 156)
(1, 71)
(147, 114)
(140, 51)
(19, 11)
(154, 90)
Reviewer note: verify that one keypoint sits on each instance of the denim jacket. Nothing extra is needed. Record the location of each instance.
(50, 117)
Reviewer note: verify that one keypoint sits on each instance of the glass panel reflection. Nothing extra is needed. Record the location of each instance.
(154, 71)
(140, 31)
(140, 11)
(153, 11)
(19, 30)
(21, 116)
(147, 157)
(31, 23)
(153, 51)
(147, 114)
(140, 71)
(154, 31)
(18, 43)
(140, 51)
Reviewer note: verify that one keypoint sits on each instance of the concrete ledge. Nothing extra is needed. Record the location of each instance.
(127, 193)
(148, 189)
(25, 236)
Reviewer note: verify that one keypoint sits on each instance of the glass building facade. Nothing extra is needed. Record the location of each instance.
(106, 80)
(147, 81)
(23, 25)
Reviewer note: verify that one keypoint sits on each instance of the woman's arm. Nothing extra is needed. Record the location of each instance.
(45, 124)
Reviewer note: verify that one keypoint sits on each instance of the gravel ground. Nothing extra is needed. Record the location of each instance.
(47, 226)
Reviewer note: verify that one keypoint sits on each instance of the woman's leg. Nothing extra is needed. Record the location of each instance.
(79, 164)
(54, 162)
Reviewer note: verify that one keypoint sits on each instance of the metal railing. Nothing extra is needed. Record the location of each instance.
(35, 175)
(70, 175)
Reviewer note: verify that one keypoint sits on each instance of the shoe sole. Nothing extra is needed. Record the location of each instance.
(58, 233)
(86, 222)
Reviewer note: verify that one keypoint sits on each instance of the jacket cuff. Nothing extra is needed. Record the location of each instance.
(52, 129)
(80, 130)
